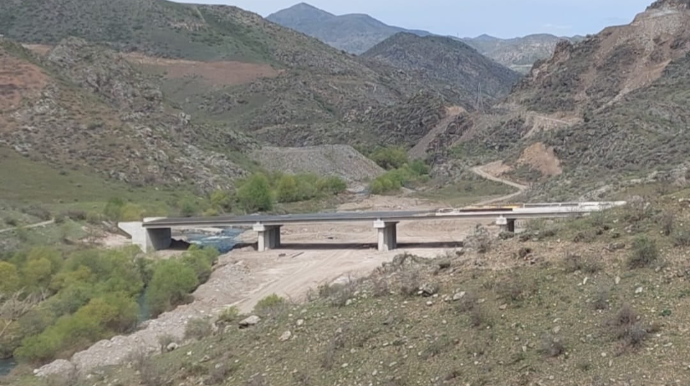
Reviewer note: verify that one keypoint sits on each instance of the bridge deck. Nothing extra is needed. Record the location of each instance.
(357, 217)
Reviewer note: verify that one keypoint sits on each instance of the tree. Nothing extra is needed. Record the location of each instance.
(287, 190)
(172, 281)
(9, 278)
(221, 201)
(113, 209)
(390, 158)
(255, 194)
(332, 185)
(37, 272)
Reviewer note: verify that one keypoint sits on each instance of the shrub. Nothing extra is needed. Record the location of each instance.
(681, 238)
(132, 212)
(113, 209)
(332, 185)
(552, 347)
(409, 282)
(287, 190)
(229, 315)
(172, 281)
(39, 212)
(9, 278)
(574, 263)
(76, 215)
(644, 253)
(221, 201)
(11, 221)
(188, 208)
(198, 329)
(255, 194)
(164, 341)
(667, 222)
(420, 168)
(271, 305)
(390, 157)
(628, 328)
(201, 261)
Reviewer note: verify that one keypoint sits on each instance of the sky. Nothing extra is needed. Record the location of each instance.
(469, 18)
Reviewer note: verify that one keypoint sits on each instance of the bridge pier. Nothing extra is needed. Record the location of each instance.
(506, 224)
(269, 236)
(388, 235)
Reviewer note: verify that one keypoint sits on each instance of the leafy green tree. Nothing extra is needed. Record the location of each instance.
(221, 200)
(201, 261)
(390, 158)
(172, 281)
(9, 278)
(332, 185)
(255, 194)
(37, 272)
(287, 190)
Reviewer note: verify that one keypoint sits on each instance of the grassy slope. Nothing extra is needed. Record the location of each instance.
(506, 335)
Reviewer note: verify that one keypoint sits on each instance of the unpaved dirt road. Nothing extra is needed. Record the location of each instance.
(479, 170)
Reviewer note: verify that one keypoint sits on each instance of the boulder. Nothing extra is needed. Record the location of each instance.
(250, 321)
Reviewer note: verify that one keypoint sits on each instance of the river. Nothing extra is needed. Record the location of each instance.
(6, 365)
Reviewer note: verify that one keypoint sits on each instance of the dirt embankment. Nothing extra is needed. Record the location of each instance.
(327, 160)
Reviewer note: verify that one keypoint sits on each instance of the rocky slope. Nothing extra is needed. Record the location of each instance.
(455, 68)
(354, 33)
(611, 105)
(83, 106)
(520, 53)
(291, 90)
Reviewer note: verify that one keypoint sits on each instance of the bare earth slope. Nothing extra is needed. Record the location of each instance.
(338, 160)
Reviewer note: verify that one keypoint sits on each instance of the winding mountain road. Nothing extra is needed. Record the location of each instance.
(520, 188)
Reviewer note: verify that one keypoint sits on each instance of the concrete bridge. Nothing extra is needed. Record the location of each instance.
(156, 233)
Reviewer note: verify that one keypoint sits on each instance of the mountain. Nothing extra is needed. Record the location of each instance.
(85, 107)
(224, 79)
(608, 108)
(520, 53)
(354, 33)
(454, 67)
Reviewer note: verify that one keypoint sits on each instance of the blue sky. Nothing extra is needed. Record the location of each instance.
(501, 18)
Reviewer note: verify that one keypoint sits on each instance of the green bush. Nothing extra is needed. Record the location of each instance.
(332, 185)
(644, 253)
(172, 281)
(390, 158)
(198, 329)
(270, 305)
(221, 201)
(188, 208)
(255, 194)
(200, 260)
(113, 209)
(287, 189)
(9, 278)
(229, 315)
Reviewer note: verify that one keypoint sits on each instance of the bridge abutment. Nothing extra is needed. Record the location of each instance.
(506, 224)
(387, 235)
(148, 240)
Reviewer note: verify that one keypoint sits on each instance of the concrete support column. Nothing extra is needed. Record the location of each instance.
(148, 240)
(506, 224)
(269, 236)
(387, 235)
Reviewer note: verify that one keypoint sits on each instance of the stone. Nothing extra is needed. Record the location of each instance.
(459, 296)
(503, 307)
(60, 368)
(428, 289)
(300, 322)
(557, 329)
(639, 290)
(429, 303)
(286, 336)
(172, 346)
(617, 280)
(250, 321)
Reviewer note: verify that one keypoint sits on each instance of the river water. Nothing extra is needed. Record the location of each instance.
(6, 365)
(224, 242)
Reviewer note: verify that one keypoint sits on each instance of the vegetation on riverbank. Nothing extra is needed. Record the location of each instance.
(54, 303)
